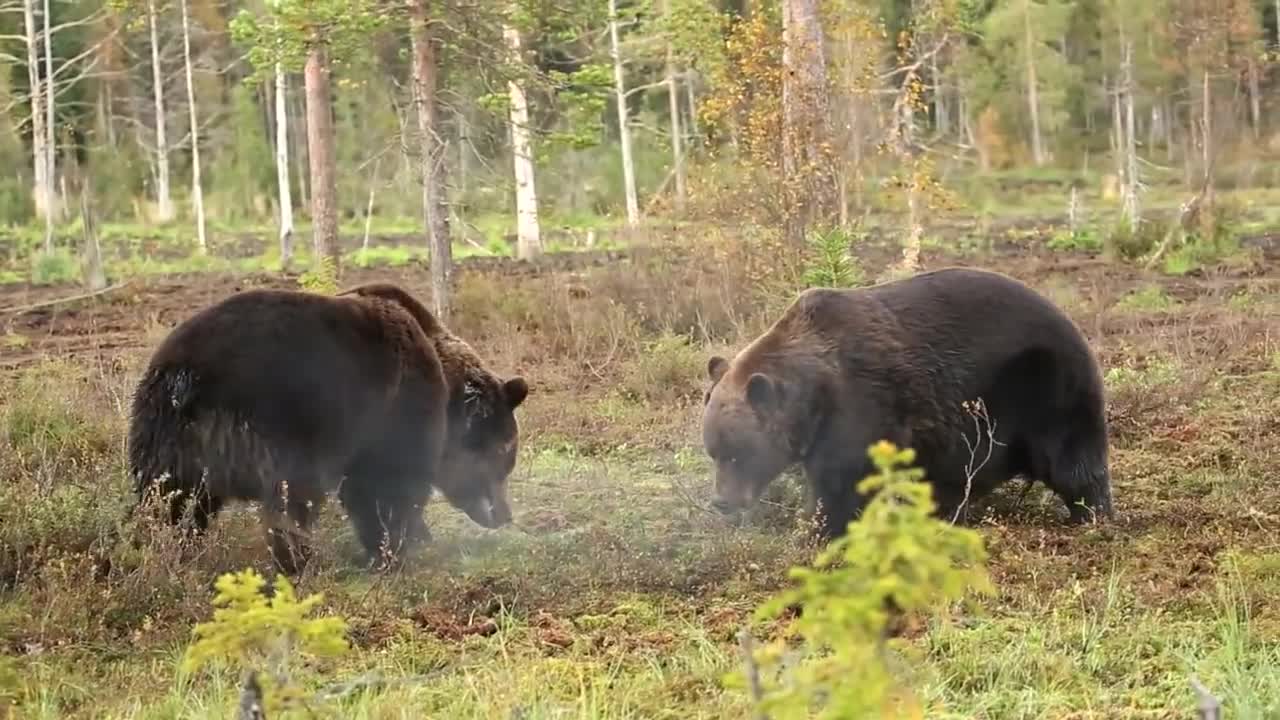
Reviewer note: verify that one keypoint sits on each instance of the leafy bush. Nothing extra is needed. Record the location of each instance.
(251, 630)
(897, 558)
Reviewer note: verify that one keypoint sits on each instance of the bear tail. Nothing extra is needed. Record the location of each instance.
(161, 410)
(430, 325)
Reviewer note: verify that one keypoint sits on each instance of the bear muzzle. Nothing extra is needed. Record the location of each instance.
(487, 513)
(733, 495)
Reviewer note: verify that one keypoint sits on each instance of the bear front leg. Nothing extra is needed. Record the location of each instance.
(386, 521)
(838, 502)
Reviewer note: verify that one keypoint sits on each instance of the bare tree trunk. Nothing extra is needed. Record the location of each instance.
(51, 122)
(197, 191)
(806, 167)
(95, 278)
(300, 135)
(624, 130)
(464, 161)
(434, 208)
(368, 211)
(673, 104)
(320, 154)
(43, 190)
(1033, 96)
(1206, 137)
(941, 118)
(528, 233)
(1132, 209)
(164, 197)
(1255, 98)
(282, 168)
(692, 101)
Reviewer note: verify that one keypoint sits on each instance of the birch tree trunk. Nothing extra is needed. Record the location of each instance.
(624, 130)
(528, 233)
(321, 155)
(51, 126)
(673, 105)
(1255, 100)
(282, 167)
(1033, 97)
(43, 190)
(807, 171)
(1131, 184)
(434, 208)
(197, 192)
(164, 197)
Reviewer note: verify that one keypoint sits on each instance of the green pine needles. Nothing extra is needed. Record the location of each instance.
(831, 265)
(252, 631)
(897, 558)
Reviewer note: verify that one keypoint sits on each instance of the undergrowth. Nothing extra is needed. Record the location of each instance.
(618, 592)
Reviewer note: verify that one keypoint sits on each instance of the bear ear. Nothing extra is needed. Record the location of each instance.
(716, 368)
(762, 391)
(515, 389)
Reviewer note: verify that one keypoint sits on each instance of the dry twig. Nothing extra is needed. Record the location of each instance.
(18, 310)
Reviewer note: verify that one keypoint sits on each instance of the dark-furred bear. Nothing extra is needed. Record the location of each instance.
(281, 397)
(843, 369)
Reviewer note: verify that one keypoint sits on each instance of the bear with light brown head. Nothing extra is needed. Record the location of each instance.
(843, 369)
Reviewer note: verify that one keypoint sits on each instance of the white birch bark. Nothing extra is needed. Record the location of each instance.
(528, 232)
(197, 194)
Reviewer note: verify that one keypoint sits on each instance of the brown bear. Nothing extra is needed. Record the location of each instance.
(843, 369)
(282, 396)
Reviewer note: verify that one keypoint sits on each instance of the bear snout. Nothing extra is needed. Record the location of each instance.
(733, 494)
(489, 514)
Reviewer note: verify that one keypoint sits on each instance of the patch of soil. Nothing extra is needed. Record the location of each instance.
(447, 626)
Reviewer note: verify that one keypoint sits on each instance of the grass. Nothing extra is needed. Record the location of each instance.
(133, 250)
(618, 594)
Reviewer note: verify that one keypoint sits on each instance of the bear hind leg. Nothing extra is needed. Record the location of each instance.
(287, 523)
(188, 508)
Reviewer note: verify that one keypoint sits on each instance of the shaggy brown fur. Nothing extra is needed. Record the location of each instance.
(842, 369)
(281, 397)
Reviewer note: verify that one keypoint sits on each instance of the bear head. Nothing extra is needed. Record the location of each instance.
(746, 432)
(480, 452)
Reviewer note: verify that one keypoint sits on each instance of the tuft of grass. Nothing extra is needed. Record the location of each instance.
(1149, 298)
(54, 268)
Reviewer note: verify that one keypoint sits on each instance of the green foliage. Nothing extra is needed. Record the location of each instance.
(695, 29)
(583, 95)
(897, 558)
(289, 28)
(830, 262)
(250, 630)
(321, 278)
(54, 268)
(1149, 298)
(1080, 239)
(1131, 245)
(669, 370)
(10, 684)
